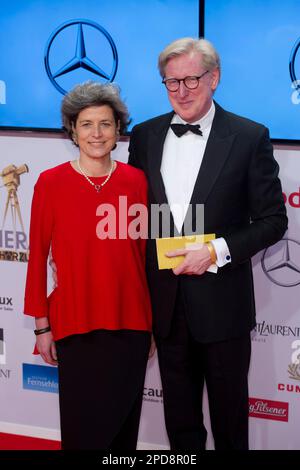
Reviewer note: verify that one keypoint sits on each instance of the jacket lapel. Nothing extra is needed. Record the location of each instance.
(216, 153)
(157, 136)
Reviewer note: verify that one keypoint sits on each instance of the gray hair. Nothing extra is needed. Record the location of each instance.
(209, 55)
(93, 94)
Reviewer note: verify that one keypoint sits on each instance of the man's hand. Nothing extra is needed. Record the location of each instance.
(54, 272)
(195, 261)
(46, 347)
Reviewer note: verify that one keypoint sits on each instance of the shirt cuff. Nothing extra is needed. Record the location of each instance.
(222, 251)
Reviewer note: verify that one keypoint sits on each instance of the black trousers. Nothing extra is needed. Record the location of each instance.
(101, 380)
(185, 365)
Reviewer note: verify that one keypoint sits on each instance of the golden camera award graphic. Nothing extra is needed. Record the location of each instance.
(13, 242)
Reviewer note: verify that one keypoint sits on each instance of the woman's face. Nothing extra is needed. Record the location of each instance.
(96, 131)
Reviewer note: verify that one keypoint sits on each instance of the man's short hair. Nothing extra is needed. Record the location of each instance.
(209, 55)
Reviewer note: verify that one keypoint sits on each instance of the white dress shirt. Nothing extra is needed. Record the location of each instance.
(181, 161)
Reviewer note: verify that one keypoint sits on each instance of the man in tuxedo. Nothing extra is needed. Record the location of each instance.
(203, 319)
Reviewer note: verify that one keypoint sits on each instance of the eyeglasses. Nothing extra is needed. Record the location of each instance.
(173, 84)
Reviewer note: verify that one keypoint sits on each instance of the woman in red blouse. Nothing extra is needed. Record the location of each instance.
(96, 323)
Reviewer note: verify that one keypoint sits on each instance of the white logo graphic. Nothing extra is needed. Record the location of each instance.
(281, 263)
(296, 354)
(2, 92)
(2, 348)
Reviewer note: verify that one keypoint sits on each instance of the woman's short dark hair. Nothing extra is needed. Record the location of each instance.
(93, 94)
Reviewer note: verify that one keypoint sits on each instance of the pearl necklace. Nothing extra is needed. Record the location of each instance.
(98, 187)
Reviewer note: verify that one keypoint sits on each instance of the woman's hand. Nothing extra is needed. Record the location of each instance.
(46, 347)
(54, 271)
(152, 348)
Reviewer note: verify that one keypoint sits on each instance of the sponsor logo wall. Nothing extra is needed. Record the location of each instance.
(276, 339)
(29, 391)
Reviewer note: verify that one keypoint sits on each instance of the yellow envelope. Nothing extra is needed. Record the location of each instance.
(163, 245)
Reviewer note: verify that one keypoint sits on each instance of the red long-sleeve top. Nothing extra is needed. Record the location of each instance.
(101, 282)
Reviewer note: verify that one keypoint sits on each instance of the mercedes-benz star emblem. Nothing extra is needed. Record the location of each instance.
(57, 55)
(292, 68)
(281, 263)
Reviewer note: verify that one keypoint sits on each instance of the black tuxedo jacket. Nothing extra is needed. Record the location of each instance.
(242, 196)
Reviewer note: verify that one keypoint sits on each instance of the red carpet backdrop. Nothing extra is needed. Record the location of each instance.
(28, 392)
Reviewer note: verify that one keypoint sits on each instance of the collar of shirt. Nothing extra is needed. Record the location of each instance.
(205, 122)
(181, 161)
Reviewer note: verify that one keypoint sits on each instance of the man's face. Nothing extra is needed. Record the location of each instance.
(191, 105)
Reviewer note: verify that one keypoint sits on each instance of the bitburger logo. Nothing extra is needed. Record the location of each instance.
(268, 409)
(13, 239)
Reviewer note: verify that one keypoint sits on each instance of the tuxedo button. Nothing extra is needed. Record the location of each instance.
(228, 258)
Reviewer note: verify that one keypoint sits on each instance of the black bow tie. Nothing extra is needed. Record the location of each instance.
(180, 129)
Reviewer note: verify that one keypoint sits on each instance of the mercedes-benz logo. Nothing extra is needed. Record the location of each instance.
(57, 56)
(295, 80)
(281, 263)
